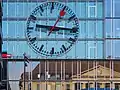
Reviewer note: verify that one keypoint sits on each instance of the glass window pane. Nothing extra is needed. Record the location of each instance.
(99, 49)
(91, 29)
(116, 8)
(116, 28)
(83, 29)
(108, 49)
(112, 49)
(83, 9)
(14, 29)
(17, 67)
(116, 49)
(80, 49)
(13, 85)
(20, 9)
(112, 28)
(108, 8)
(92, 12)
(108, 29)
(99, 29)
(100, 10)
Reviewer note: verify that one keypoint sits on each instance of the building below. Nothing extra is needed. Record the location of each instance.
(68, 75)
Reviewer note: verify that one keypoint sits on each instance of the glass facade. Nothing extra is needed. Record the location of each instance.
(99, 38)
(91, 23)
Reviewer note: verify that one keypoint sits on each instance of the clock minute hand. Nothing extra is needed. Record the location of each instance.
(62, 13)
(56, 28)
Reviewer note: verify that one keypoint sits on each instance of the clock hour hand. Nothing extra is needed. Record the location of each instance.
(43, 26)
(74, 29)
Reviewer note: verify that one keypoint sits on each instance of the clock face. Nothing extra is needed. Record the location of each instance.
(52, 29)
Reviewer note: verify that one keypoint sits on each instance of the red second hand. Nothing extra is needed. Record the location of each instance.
(53, 26)
(62, 13)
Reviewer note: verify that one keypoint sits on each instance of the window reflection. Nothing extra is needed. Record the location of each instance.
(112, 8)
(116, 8)
(112, 28)
(14, 25)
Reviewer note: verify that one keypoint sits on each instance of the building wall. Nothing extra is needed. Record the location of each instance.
(72, 85)
(98, 39)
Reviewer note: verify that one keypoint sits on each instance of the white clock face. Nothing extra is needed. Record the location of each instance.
(52, 29)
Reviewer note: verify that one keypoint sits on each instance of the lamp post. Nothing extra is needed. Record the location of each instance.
(24, 73)
(26, 60)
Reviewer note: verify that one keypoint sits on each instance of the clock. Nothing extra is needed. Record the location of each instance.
(52, 29)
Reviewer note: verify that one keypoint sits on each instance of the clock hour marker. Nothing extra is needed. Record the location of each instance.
(33, 40)
(71, 39)
(52, 7)
(74, 30)
(64, 8)
(30, 27)
(33, 17)
(52, 51)
(71, 18)
(41, 14)
(29, 30)
(44, 51)
(57, 52)
(41, 9)
(60, 51)
(35, 46)
(28, 36)
(41, 47)
(64, 48)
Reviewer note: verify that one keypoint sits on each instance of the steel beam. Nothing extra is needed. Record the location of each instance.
(43, 19)
(60, 39)
(54, 0)
(53, 39)
(36, 60)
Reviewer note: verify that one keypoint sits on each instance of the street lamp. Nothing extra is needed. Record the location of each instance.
(26, 60)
